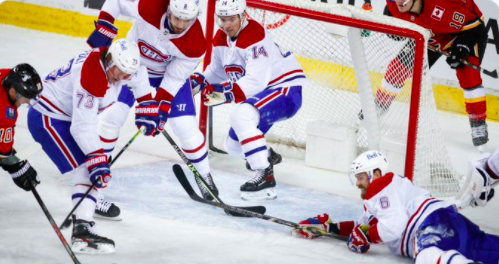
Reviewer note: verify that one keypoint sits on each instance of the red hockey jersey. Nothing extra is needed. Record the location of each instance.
(8, 118)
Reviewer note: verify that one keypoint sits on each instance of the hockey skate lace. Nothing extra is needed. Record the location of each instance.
(480, 131)
(258, 177)
(103, 206)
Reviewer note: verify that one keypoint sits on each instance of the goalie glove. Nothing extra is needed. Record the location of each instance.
(217, 94)
(314, 227)
(359, 241)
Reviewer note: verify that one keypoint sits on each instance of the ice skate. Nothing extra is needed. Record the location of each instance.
(479, 134)
(261, 186)
(209, 180)
(85, 241)
(107, 210)
(274, 159)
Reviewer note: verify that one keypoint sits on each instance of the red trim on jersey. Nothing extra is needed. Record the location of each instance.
(105, 140)
(374, 234)
(220, 39)
(239, 95)
(93, 76)
(106, 16)
(378, 185)
(147, 97)
(267, 99)
(283, 76)
(194, 150)
(193, 43)
(153, 11)
(59, 142)
(346, 228)
(251, 139)
(163, 95)
(373, 221)
(251, 34)
(402, 242)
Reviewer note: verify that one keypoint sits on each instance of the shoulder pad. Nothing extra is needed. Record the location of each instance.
(251, 34)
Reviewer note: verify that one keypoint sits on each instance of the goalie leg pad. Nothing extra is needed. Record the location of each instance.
(192, 142)
(476, 186)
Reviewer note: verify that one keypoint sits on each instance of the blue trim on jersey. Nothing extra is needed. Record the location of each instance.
(287, 80)
(251, 152)
(200, 159)
(126, 96)
(414, 225)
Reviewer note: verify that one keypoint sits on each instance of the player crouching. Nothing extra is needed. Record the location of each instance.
(407, 220)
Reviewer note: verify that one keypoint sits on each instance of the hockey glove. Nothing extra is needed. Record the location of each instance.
(103, 34)
(458, 52)
(164, 100)
(23, 175)
(359, 241)
(314, 227)
(198, 83)
(98, 169)
(217, 94)
(146, 115)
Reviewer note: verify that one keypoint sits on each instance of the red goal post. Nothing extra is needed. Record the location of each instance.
(356, 18)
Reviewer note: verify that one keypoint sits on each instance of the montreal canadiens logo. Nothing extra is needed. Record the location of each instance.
(151, 53)
(235, 72)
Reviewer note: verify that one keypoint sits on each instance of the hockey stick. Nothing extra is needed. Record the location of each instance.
(179, 173)
(54, 226)
(210, 132)
(492, 74)
(198, 176)
(67, 221)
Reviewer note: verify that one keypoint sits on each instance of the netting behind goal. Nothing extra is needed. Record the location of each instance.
(383, 72)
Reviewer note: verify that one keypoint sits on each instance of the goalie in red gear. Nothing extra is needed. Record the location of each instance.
(456, 26)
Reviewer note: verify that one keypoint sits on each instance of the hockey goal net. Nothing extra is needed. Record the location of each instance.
(346, 66)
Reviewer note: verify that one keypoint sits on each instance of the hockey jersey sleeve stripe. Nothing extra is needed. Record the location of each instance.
(59, 142)
(411, 224)
(284, 76)
(473, 24)
(105, 140)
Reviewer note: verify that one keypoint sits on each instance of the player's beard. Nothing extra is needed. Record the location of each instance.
(363, 193)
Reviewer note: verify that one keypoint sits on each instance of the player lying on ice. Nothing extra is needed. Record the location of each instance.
(407, 219)
(18, 86)
(457, 27)
(172, 44)
(249, 69)
(65, 120)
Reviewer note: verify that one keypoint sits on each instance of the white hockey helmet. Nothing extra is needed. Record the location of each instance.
(368, 162)
(184, 9)
(230, 7)
(125, 55)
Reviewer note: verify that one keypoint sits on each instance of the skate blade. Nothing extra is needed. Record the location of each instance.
(83, 248)
(265, 194)
(116, 218)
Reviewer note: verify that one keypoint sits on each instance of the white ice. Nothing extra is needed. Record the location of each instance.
(160, 222)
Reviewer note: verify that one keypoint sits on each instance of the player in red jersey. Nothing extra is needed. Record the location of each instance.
(456, 26)
(17, 86)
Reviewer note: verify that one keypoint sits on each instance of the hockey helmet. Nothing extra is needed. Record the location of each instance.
(368, 162)
(25, 80)
(184, 9)
(125, 55)
(230, 7)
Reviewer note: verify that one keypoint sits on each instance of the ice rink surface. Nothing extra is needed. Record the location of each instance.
(161, 224)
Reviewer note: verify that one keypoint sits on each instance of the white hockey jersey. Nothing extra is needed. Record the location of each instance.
(165, 54)
(399, 207)
(78, 91)
(253, 61)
